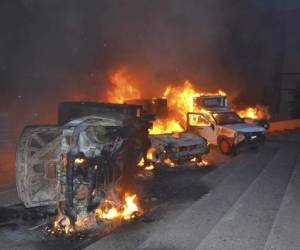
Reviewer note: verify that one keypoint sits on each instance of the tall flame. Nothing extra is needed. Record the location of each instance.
(180, 102)
(130, 207)
(180, 98)
(124, 87)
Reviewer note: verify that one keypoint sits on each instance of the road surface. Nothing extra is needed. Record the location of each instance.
(251, 201)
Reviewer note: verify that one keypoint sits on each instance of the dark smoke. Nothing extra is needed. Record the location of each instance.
(53, 50)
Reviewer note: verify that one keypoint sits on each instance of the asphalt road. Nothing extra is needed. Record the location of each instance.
(250, 201)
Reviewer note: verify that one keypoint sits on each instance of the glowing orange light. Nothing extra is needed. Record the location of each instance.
(127, 211)
(165, 126)
(150, 153)
(258, 112)
(169, 163)
(141, 163)
(150, 167)
(123, 87)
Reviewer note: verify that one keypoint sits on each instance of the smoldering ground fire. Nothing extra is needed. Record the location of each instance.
(108, 212)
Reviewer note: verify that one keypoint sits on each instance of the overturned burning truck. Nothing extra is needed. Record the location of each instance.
(77, 163)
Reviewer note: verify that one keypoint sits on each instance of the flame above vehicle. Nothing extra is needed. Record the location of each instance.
(165, 126)
(124, 87)
(180, 101)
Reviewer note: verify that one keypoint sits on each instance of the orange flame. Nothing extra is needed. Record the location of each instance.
(141, 162)
(123, 87)
(110, 211)
(150, 167)
(180, 98)
(130, 207)
(259, 112)
(180, 102)
(169, 163)
(199, 162)
(107, 211)
(150, 153)
(62, 225)
(164, 126)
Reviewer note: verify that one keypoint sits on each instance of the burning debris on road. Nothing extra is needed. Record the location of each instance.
(108, 212)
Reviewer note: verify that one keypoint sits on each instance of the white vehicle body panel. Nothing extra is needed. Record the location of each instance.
(212, 131)
(245, 128)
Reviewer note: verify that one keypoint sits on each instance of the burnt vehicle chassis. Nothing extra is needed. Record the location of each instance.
(180, 148)
(77, 163)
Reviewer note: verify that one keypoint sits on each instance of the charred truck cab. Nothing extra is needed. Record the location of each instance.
(223, 127)
(81, 160)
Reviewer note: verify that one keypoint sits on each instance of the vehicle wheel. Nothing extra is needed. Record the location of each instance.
(225, 147)
(36, 161)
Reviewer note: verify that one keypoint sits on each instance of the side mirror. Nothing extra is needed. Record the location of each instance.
(212, 126)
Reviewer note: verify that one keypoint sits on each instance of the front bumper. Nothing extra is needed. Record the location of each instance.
(251, 139)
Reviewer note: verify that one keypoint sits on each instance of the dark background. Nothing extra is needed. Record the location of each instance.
(53, 50)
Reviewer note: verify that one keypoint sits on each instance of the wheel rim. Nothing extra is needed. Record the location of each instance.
(34, 160)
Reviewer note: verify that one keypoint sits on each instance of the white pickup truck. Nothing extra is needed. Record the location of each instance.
(223, 127)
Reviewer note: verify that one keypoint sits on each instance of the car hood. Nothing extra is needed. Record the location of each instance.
(245, 127)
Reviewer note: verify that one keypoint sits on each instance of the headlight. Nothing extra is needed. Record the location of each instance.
(239, 137)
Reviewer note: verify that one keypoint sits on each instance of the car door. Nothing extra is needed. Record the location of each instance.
(197, 123)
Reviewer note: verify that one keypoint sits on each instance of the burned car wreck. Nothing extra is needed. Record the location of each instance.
(77, 163)
(177, 148)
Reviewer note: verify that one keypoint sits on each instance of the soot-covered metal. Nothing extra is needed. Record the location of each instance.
(77, 164)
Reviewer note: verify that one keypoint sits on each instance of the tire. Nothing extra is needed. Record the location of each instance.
(225, 146)
(33, 150)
